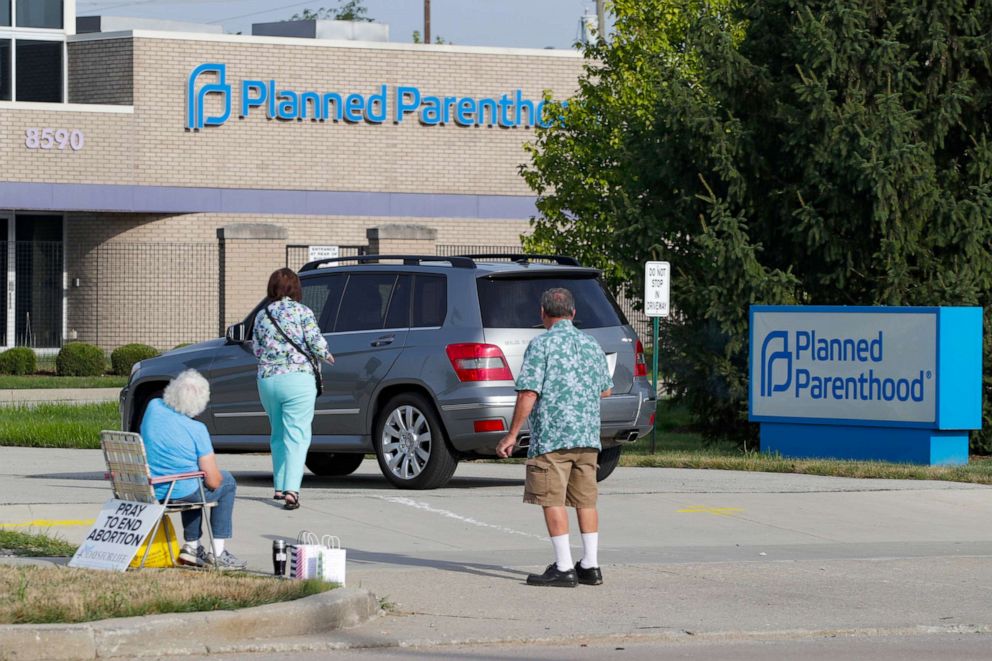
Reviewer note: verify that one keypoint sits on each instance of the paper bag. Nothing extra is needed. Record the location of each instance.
(159, 556)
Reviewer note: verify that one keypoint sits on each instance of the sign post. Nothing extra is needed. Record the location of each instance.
(657, 276)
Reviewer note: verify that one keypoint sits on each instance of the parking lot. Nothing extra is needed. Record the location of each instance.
(698, 553)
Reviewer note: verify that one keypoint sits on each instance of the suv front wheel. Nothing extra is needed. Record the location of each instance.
(410, 444)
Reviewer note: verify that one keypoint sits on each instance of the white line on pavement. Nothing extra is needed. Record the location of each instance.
(409, 502)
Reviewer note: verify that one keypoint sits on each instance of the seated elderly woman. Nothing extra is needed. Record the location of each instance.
(176, 443)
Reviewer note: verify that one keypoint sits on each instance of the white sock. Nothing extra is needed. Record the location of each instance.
(563, 552)
(192, 544)
(218, 547)
(590, 550)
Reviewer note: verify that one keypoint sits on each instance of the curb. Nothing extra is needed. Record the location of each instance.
(187, 633)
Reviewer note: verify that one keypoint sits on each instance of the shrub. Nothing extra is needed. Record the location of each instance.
(124, 357)
(80, 359)
(19, 360)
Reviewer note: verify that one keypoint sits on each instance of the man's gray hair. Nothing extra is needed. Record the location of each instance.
(188, 393)
(558, 302)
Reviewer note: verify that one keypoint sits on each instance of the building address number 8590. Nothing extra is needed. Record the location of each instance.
(47, 138)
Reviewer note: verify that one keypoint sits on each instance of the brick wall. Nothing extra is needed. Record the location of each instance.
(101, 72)
(152, 146)
(164, 280)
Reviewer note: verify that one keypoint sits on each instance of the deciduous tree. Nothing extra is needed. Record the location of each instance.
(777, 151)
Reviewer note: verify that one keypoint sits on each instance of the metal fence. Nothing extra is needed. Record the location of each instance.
(162, 294)
(32, 304)
(298, 255)
(447, 250)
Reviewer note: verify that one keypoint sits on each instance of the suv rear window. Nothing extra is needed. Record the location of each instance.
(516, 302)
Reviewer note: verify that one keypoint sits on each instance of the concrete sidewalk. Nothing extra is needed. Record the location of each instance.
(33, 397)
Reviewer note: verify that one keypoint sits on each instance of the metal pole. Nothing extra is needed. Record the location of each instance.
(655, 350)
(601, 20)
(427, 21)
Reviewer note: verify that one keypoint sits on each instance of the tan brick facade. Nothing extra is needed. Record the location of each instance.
(166, 278)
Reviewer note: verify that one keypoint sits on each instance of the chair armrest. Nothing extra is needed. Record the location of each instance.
(177, 476)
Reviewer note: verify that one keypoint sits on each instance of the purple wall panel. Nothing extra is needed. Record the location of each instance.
(165, 199)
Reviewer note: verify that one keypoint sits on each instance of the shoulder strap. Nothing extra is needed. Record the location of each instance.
(307, 355)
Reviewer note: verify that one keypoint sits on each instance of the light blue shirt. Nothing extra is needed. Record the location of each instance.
(174, 444)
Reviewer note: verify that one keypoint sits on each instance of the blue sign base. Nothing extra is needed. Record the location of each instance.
(931, 447)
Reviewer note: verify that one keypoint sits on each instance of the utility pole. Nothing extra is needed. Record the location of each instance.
(600, 19)
(427, 21)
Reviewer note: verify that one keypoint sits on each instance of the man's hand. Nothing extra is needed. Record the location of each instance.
(505, 446)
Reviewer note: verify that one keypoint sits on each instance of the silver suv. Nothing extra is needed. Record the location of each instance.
(426, 349)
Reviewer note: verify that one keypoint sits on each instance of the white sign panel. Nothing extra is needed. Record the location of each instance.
(119, 531)
(656, 288)
(322, 252)
(834, 365)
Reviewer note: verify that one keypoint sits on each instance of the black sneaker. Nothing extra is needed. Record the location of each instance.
(554, 578)
(591, 576)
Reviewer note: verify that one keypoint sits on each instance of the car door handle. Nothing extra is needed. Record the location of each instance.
(383, 341)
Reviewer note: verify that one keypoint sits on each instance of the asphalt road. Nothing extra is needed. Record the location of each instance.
(692, 560)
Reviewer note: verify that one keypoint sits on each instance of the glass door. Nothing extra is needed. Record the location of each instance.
(33, 296)
(7, 287)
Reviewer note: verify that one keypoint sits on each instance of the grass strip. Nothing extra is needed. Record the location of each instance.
(979, 471)
(57, 425)
(44, 381)
(49, 595)
(36, 545)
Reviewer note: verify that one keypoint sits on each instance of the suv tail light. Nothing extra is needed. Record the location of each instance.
(478, 362)
(640, 367)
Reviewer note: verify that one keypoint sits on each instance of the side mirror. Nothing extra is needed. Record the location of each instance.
(238, 334)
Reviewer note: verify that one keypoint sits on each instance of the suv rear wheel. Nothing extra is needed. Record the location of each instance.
(608, 460)
(410, 444)
(330, 464)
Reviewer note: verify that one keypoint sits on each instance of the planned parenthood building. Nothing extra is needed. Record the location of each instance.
(151, 180)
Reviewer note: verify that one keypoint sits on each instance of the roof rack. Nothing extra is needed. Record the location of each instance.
(408, 260)
(523, 258)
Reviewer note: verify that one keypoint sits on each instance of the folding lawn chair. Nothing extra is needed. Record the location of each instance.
(127, 470)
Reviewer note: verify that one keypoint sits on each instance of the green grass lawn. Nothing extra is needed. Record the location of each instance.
(34, 544)
(40, 381)
(677, 446)
(57, 425)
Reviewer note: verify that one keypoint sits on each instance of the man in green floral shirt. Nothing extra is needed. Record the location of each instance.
(563, 377)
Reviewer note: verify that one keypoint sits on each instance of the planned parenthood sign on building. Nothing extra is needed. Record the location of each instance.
(900, 384)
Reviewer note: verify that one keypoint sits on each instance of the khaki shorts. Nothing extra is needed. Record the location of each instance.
(563, 477)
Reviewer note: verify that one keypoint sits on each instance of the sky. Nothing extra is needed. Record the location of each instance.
(508, 23)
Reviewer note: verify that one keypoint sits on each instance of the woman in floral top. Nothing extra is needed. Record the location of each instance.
(286, 382)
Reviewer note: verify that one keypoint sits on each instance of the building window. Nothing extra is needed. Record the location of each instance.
(5, 13)
(4, 69)
(38, 13)
(39, 70)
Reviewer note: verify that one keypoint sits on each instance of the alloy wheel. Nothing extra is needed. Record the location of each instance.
(406, 442)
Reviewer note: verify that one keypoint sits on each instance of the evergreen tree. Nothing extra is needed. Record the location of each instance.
(777, 151)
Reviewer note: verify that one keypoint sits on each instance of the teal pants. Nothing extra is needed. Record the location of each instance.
(288, 400)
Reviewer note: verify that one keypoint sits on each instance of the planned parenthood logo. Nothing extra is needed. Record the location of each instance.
(768, 362)
(386, 103)
(195, 119)
(843, 365)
